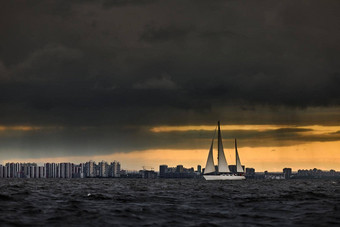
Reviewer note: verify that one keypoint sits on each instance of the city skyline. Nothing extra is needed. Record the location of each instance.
(134, 81)
(104, 169)
(174, 162)
(89, 169)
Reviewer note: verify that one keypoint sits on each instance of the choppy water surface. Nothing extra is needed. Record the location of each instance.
(171, 202)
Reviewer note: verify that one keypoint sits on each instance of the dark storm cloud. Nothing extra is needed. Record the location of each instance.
(118, 63)
(163, 83)
(118, 3)
(170, 33)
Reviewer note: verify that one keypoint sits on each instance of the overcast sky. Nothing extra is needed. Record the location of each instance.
(89, 77)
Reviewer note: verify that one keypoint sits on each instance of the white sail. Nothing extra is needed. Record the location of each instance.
(210, 166)
(239, 168)
(222, 162)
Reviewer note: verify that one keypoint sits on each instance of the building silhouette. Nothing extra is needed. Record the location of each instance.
(287, 173)
(176, 172)
(199, 168)
(163, 170)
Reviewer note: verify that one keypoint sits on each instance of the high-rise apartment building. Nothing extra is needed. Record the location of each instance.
(103, 169)
(114, 169)
(179, 169)
(163, 169)
(4, 171)
(41, 172)
(287, 172)
(90, 169)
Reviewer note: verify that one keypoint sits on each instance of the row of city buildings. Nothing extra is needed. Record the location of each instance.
(316, 173)
(178, 172)
(113, 169)
(102, 169)
(287, 173)
(60, 170)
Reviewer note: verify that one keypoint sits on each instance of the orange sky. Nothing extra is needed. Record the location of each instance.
(323, 155)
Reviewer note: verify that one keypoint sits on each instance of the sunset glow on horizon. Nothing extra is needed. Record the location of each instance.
(322, 155)
(303, 153)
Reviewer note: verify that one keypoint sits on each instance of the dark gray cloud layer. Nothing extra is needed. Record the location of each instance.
(147, 62)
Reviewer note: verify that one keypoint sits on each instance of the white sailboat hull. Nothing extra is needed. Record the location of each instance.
(224, 177)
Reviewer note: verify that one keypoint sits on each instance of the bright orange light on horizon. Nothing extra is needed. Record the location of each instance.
(322, 155)
(18, 128)
(27, 128)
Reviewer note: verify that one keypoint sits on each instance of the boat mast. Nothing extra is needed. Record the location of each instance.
(222, 162)
(236, 154)
(218, 141)
(239, 167)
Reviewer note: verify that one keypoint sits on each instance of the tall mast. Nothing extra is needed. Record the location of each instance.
(222, 162)
(236, 153)
(239, 168)
(218, 140)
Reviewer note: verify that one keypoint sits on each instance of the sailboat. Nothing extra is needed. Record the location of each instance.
(223, 172)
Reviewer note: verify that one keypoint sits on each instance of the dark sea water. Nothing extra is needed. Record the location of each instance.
(169, 202)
